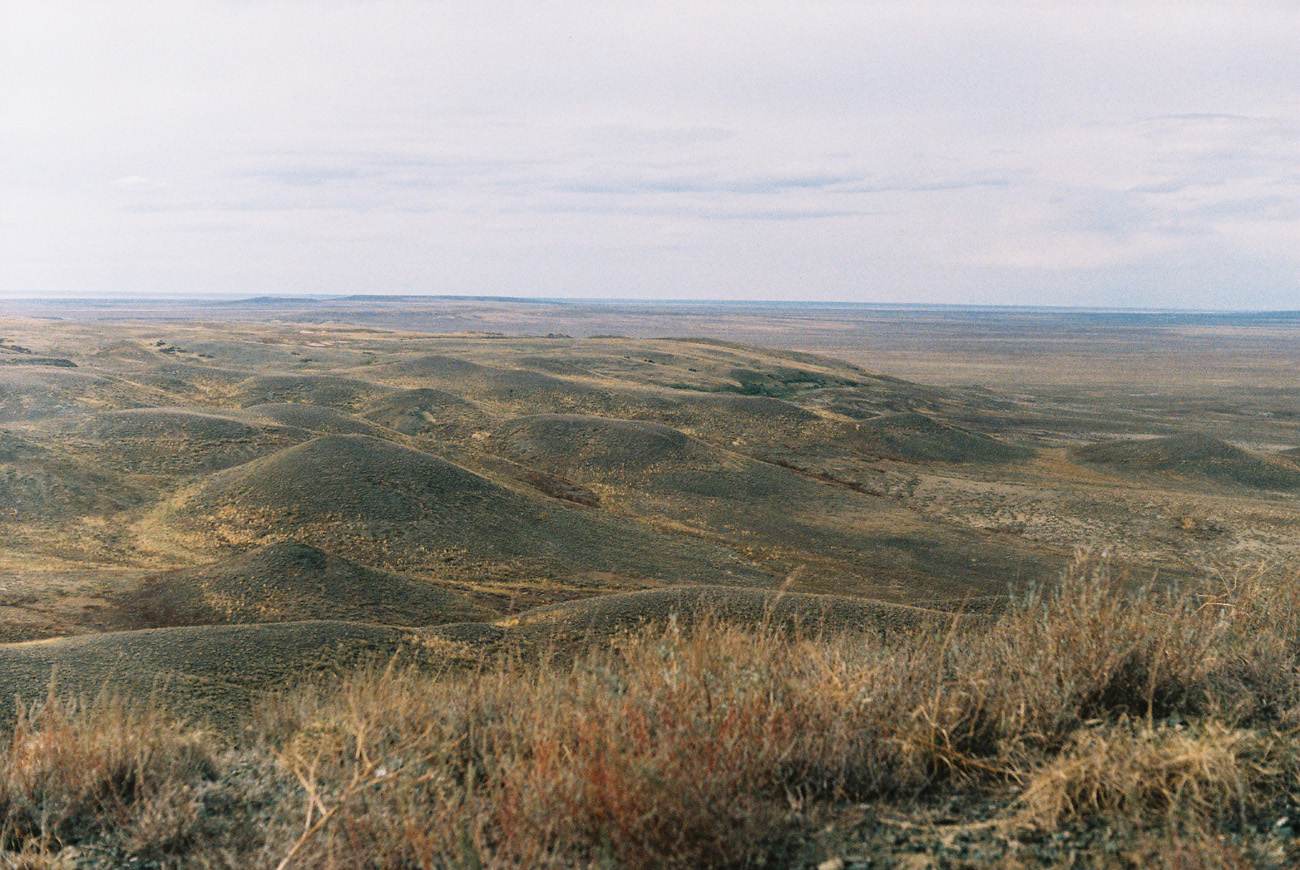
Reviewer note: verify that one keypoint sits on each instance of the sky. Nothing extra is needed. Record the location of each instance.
(1109, 154)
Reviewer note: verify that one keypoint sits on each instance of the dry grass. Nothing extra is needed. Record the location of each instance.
(1148, 773)
(666, 752)
(72, 770)
(716, 746)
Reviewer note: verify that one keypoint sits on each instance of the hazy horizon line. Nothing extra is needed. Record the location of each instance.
(299, 298)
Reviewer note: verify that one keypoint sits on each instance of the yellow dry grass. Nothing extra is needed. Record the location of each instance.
(1170, 715)
(1149, 773)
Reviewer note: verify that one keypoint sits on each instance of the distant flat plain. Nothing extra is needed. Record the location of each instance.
(993, 347)
(1239, 368)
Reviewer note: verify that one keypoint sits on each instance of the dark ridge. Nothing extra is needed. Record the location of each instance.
(1197, 455)
(598, 442)
(51, 362)
(328, 390)
(287, 582)
(384, 504)
(911, 437)
(273, 300)
(607, 615)
(314, 418)
(414, 412)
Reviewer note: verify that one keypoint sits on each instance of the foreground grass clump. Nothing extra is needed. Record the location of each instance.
(718, 746)
(72, 771)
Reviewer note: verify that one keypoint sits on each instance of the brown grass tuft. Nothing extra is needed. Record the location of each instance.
(72, 770)
(713, 746)
(1149, 775)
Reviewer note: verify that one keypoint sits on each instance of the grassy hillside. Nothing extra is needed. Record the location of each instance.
(311, 594)
(287, 582)
(1198, 456)
(390, 505)
(1084, 727)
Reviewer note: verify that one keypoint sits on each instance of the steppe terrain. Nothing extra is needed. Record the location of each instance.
(203, 502)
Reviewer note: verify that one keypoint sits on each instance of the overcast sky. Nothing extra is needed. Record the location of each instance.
(1134, 154)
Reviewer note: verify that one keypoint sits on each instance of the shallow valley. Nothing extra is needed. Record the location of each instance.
(206, 502)
(484, 473)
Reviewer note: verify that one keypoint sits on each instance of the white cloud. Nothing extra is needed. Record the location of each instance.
(924, 151)
(136, 183)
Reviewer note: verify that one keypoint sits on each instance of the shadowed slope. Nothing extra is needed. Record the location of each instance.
(520, 390)
(606, 615)
(917, 438)
(313, 418)
(424, 410)
(1196, 455)
(328, 390)
(386, 504)
(44, 484)
(850, 540)
(599, 444)
(181, 440)
(286, 582)
(643, 456)
(201, 671)
(662, 387)
(747, 423)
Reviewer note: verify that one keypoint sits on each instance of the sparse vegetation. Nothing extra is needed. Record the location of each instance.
(442, 601)
(1160, 716)
(1196, 455)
